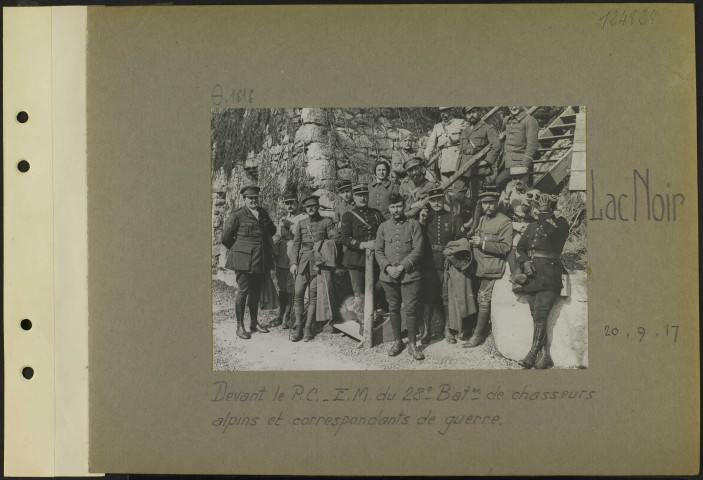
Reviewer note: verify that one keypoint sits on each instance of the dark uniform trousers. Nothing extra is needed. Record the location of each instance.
(401, 243)
(353, 233)
(248, 239)
(542, 244)
(303, 281)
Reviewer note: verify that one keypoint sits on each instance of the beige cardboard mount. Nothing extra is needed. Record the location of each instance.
(111, 228)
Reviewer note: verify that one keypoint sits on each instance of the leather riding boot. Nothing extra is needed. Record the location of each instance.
(414, 352)
(239, 313)
(480, 334)
(308, 335)
(427, 325)
(298, 326)
(255, 325)
(538, 337)
(544, 360)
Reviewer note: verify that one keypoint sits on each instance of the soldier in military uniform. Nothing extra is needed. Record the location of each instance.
(402, 155)
(491, 244)
(539, 252)
(475, 137)
(346, 203)
(399, 246)
(247, 234)
(521, 144)
(514, 204)
(359, 227)
(440, 227)
(444, 139)
(282, 243)
(415, 187)
(381, 188)
(306, 233)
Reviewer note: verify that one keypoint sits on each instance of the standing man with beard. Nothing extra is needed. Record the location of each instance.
(442, 226)
(381, 188)
(539, 253)
(308, 231)
(475, 137)
(521, 144)
(491, 244)
(247, 234)
(399, 245)
(359, 227)
(416, 186)
(445, 138)
(282, 243)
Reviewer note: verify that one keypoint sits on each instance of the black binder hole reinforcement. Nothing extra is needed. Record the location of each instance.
(22, 117)
(27, 372)
(26, 324)
(23, 166)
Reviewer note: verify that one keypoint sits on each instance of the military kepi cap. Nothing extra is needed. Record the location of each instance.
(311, 200)
(360, 188)
(445, 108)
(435, 193)
(488, 196)
(290, 197)
(413, 162)
(343, 185)
(250, 191)
(468, 109)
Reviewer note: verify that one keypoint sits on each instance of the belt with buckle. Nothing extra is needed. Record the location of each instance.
(437, 248)
(544, 254)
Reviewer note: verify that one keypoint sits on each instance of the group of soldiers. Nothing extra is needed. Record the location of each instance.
(438, 246)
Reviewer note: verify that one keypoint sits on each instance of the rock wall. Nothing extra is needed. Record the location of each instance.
(313, 146)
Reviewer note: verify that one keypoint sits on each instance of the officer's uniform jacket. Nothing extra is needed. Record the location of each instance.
(496, 235)
(474, 139)
(379, 192)
(440, 229)
(283, 241)
(354, 231)
(321, 228)
(249, 241)
(521, 143)
(400, 243)
(542, 243)
(446, 138)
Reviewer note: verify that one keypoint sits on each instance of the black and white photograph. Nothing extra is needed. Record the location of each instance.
(429, 238)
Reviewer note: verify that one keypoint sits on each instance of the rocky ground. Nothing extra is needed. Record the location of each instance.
(330, 351)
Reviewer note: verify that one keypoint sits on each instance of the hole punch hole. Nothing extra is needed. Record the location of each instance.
(28, 372)
(22, 117)
(26, 324)
(23, 166)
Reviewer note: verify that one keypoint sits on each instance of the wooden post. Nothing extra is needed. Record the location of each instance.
(368, 301)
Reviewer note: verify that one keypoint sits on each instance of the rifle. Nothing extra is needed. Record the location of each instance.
(434, 158)
(459, 173)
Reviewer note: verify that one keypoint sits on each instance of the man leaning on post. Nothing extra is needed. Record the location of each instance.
(399, 247)
(247, 234)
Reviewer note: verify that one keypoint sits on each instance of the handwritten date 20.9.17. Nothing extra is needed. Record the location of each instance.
(624, 17)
